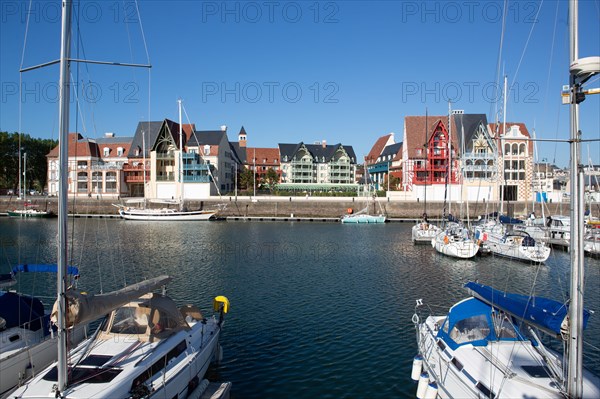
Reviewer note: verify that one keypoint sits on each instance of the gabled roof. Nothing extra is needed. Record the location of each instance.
(393, 150)
(78, 147)
(378, 147)
(145, 133)
(522, 129)
(270, 154)
(238, 152)
(416, 133)
(317, 151)
(467, 126)
(206, 137)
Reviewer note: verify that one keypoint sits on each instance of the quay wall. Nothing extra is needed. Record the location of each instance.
(273, 206)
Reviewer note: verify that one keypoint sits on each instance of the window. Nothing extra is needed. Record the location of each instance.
(470, 329)
(106, 152)
(120, 151)
(206, 149)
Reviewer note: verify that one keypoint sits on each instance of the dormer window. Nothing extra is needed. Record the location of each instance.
(105, 151)
(206, 149)
(120, 151)
(138, 151)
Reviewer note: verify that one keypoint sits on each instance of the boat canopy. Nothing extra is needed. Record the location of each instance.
(545, 314)
(508, 220)
(83, 308)
(43, 268)
(474, 322)
(23, 310)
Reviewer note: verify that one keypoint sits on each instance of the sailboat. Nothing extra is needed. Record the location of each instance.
(454, 239)
(363, 216)
(146, 346)
(29, 210)
(424, 231)
(167, 213)
(27, 342)
(487, 344)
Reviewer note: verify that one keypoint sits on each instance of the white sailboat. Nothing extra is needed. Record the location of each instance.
(27, 341)
(166, 213)
(146, 346)
(29, 210)
(424, 231)
(454, 239)
(479, 349)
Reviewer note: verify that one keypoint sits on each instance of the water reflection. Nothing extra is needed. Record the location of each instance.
(317, 309)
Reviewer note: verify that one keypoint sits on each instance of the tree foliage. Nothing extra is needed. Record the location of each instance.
(37, 165)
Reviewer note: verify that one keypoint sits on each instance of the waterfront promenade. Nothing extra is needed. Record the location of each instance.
(299, 207)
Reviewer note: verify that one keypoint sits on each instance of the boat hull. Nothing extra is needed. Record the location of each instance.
(165, 215)
(423, 233)
(26, 361)
(28, 213)
(363, 219)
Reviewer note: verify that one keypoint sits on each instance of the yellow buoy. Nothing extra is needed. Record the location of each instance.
(221, 301)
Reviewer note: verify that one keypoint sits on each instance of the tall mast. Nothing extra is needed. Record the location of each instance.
(503, 134)
(450, 157)
(63, 185)
(24, 177)
(575, 345)
(426, 162)
(180, 157)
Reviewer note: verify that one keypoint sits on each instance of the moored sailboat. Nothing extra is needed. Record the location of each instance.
(146, 346)
(479, 349)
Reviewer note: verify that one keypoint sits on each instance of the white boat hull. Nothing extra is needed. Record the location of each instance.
(455, 246)
(165, 214)
(28, 356)
(469, 371)
(174, 378)
(363, 219)
(423, 233)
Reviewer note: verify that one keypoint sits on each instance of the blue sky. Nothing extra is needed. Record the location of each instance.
(346, 71)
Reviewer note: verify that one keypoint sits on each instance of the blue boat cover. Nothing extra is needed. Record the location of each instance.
(43, 268)
(23, 310)
(543, 313)
(508, 220)
(470, 322)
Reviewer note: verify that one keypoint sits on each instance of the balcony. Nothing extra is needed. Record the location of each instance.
(197, 179)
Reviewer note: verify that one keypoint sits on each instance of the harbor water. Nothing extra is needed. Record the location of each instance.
(318, 310)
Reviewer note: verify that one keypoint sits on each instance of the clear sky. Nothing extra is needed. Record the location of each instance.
(346, 71)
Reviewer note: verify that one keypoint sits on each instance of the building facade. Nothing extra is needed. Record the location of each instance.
(95, 166)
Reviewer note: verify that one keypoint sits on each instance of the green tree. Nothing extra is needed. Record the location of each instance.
(271, 179)
(246, 179)
(37, 165)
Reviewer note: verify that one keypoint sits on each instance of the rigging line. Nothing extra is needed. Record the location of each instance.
(526, 44)
(142, 32)
(545, 108)
(494, 106)
(200, 151)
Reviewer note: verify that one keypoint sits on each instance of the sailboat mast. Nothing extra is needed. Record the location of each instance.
(25, 178)
(426, 162)
(575, 345)
(180, 157)
(450, 157)
(63, 185)
(503, 134)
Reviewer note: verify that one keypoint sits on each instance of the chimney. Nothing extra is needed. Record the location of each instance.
(109, 134)
(324, 143)
(223, 128)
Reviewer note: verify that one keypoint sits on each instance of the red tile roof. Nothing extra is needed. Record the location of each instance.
(377, 148)
(78, 147)
(271, 155)
(415, 132)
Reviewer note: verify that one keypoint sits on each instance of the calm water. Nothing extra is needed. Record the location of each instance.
(317, 310)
